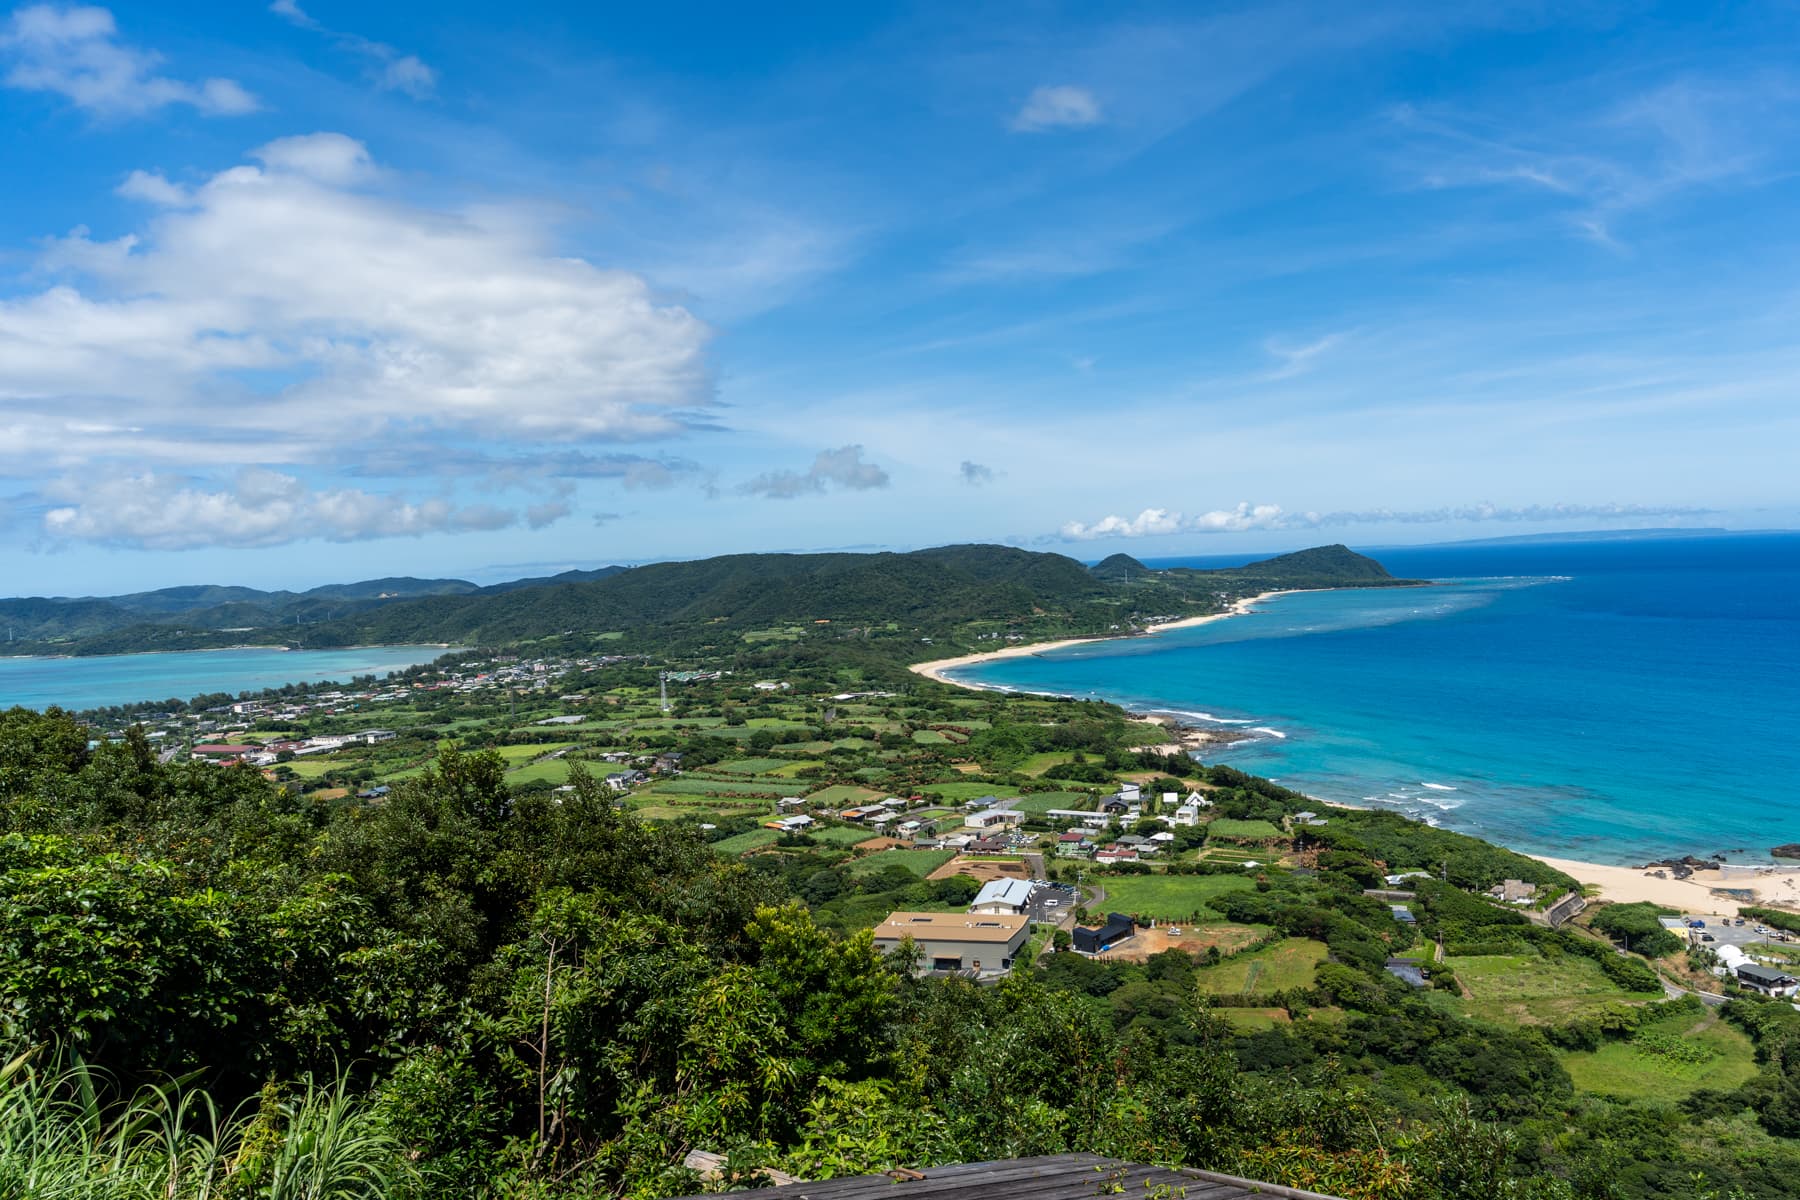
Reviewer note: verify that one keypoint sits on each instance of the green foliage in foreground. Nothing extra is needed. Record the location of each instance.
(519, 994)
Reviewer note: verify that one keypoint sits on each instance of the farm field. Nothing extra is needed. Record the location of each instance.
(749, 840)
(1168, 897)
(1250, 831)
(919, 862)
(1527, 989)
(1038, 803)
(1290, 963)
(838, 835)
(692, 785)
(1721, 1057)
(751, 766)
(555, 771)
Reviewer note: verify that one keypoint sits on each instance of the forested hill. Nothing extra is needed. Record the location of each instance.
(903, 599)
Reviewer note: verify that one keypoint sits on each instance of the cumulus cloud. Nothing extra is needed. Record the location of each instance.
(1157, 521)
(842, 468)
(389, 69)
(260, 508)
(976, 475)
(75, 52)
(1059, 107)
(290, 305)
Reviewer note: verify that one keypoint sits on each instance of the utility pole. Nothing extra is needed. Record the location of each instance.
(662, 678)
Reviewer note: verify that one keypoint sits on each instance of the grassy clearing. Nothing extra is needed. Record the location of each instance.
(1042, 802)
(919, 862)
(555, 771)
(1633, 1070)
(839, 835)
(690, 785)
(961, 793)
(1290, 963)
(751, 766)
(1168, 897)
(752, 839)
(793, 769)
(1527, 989)
(1248, 831)
(929, 737)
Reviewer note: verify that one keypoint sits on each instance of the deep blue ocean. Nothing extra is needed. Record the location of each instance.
(81, 683)
(1611, 701)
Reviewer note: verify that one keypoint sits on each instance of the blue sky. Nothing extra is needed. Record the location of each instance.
(316, 291)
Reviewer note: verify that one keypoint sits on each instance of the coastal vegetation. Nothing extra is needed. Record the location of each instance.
(515, 947)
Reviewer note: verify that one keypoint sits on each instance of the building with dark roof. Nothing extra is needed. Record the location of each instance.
(1118, 928)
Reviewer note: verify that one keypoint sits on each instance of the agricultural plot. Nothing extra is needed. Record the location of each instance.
(692, 785)
(555, 771)
(962, 793)
(1666, 1061)
(1528, 989)
(1244, 831)
(920, 862)
(751, 766)
(1169, 897)
(1039, 803)
(753, 839)
(1290, 963)
(838, 835)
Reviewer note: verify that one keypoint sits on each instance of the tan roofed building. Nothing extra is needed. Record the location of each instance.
(985, 943)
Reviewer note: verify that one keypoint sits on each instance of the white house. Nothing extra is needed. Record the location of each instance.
(1003, 896)
(1187, 814)
(794, 824)
(993, 818)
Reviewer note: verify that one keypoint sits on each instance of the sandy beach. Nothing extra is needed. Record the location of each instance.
(1694, 894)
(936, 669)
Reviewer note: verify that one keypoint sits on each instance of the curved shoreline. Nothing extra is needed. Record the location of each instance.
(1611, 882)
(937, 668)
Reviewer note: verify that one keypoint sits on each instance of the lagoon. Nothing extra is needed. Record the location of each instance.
(100, 681)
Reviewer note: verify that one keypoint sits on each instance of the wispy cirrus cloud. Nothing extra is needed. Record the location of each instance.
(1154, 522)
(841, 469)
(389, 69)
(75, 52)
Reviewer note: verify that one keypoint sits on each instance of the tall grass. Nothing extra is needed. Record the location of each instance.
(61, 1140)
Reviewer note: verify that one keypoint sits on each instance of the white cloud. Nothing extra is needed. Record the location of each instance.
(1059, 107)
(76, 53)
(1150, 522)
(261, 508)
(388, 68)
(359, 317)
(1244, 517)
(842, 468)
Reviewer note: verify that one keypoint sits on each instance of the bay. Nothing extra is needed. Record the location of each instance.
(95, 682)
(1606, 701)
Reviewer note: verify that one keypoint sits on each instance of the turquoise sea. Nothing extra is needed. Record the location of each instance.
(1611, 701)
(81, 683)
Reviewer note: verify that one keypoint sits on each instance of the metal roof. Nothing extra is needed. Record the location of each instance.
(1054, 1177)
(950, 927)
(1016, 892)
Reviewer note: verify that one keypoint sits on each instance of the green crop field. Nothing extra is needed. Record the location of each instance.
(555, 771)
(929, 737)
(751, 766)
(1253, 831)
(1168, 897)
(1530, 989)
(748, 840)
(1719, 1056)
(840, 835)
(689, 785)
(1290, 963)
(919, 862)
(1038, 803)
(960, 793)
